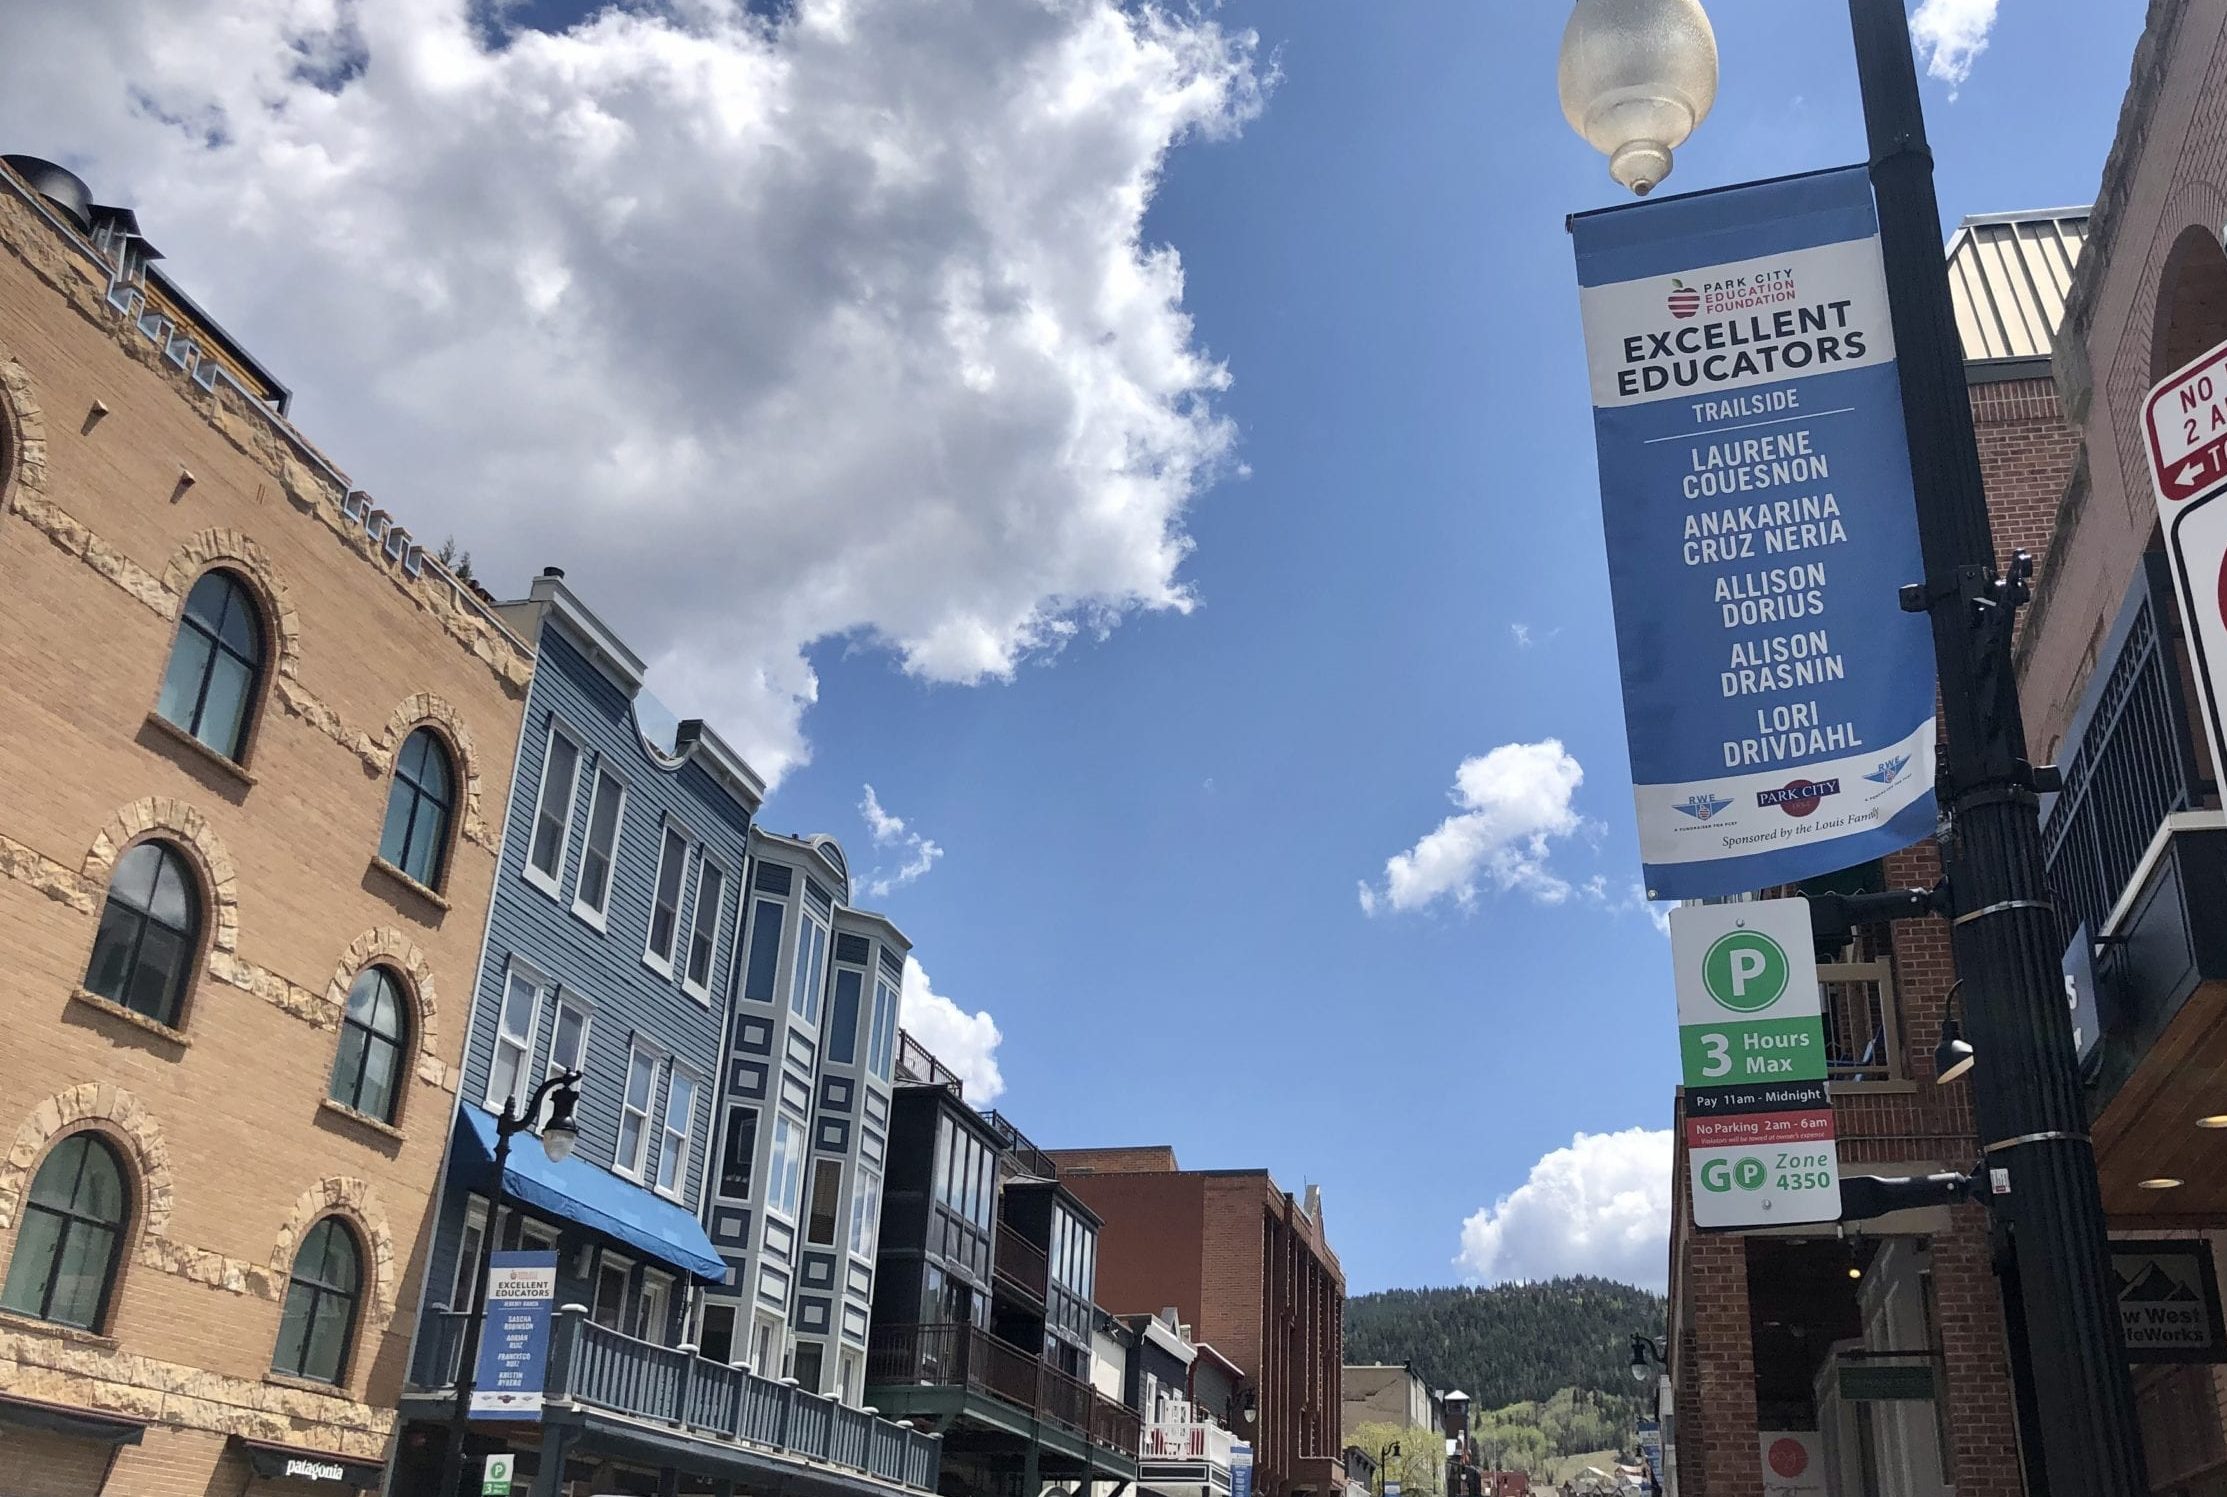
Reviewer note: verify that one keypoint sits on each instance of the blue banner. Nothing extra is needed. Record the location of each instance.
(1241, 1470)
(1755, 489)
(513, 1362)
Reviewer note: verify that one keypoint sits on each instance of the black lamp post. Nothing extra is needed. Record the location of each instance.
(1637, 75)
(558, 1135)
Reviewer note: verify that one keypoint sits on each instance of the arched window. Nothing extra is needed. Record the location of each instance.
(215, 664)
(2191, 300)
(149, 930)
(416, 836)
(67, 1240)
(367, 1071)
(320, 1314)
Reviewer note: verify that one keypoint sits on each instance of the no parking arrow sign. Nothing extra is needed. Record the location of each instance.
(2185, 420)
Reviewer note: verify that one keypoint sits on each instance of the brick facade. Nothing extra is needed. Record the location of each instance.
(2028, 453)
(121, 483)
(1252, 1271)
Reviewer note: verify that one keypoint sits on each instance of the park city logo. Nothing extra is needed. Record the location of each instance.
(1685, 302)
(1799, 798)
(1745, 971)
(1703, 806)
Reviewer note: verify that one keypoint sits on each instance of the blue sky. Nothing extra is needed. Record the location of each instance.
(1152, 848)
(850, 375)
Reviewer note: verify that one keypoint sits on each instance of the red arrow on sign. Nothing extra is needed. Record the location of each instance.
(2185, 421)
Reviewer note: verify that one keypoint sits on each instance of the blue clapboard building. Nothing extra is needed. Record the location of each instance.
(610, 949)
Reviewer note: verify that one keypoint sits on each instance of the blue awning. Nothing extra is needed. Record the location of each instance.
(577, 1191)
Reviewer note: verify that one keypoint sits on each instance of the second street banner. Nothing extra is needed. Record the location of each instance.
(1755, 487)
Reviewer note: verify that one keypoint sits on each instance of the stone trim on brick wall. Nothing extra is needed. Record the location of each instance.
(388, 947)
(51, 1368)
(234, 552)
(122, 1118)
(425, 710)
(355, 1200)
(173, 821)
(22, 436)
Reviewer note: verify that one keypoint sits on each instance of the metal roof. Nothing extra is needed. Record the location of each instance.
(2008, 276)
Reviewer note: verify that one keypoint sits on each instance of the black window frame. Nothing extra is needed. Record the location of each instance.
(399, 1042)
(404, 783)
(238, 591)
(319, 1292)
(86, 1142)
(125, 906)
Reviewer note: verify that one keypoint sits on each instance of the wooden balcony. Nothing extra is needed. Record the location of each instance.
(1022, 1263)
(970, 1358)
(725, 1408)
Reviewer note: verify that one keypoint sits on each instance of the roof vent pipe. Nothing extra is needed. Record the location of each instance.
(59, 185)
(553, 572)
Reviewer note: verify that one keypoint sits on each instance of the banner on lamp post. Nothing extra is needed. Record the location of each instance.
(514, 1336)
(1756, 492)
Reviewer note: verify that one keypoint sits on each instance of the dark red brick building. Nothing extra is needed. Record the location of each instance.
(1250, 1268)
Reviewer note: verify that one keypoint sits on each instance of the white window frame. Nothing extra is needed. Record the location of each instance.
(866, 1210)
(655, 1281)
(817, 936)
(599, 918)
(669, 829)
(685, 944)
(777, 1202)
(466, 1284)
(637, 1046)
(604, 1258)
(516, 970)
(552, 883)
(881, 1050)
(847, 1378)
(566, 998)
(674, 1072)
(768, 1343)
(537, 1236)
(726, 1132)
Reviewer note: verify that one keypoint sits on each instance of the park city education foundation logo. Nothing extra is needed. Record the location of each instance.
(1685, 302)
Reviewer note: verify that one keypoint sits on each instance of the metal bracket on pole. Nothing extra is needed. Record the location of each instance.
(1868, 1197)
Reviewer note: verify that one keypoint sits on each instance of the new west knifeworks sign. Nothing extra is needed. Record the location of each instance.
(1755, 485)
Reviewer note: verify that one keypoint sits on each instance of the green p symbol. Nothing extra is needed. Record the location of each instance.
(1745, 971)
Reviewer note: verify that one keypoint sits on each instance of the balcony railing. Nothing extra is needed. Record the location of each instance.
(1022, 1261)
(1019, 1150)
(594, 1368)
(2128, 760)
(1862, 1040)
(915, 1062)
(966, 1356)
(1186, 1434)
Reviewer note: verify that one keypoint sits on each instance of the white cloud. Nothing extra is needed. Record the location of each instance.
(840, 327)
(1632, 901)
(1600, 1206)
(967, 1043)
(918, 854)
(1521, 634)
(1514, 802)
(1952, 34)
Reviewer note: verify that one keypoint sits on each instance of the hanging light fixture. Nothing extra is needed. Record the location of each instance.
(1636, 77)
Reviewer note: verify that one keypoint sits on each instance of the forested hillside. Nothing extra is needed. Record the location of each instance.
(1514, 1343)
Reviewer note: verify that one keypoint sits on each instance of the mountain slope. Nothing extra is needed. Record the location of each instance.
(1513, 1343)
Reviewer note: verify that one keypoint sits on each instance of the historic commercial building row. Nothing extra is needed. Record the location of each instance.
(330, 859)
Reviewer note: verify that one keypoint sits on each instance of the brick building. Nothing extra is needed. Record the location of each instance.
(1252, 1268)
(1883, 1354)
(258, 744)
(2137, 843)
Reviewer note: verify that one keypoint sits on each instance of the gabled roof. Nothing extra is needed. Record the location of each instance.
(2009, 274)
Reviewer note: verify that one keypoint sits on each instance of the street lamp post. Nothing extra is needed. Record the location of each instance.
(1384, 1466)
(558, 1135)
(2026, 1091)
